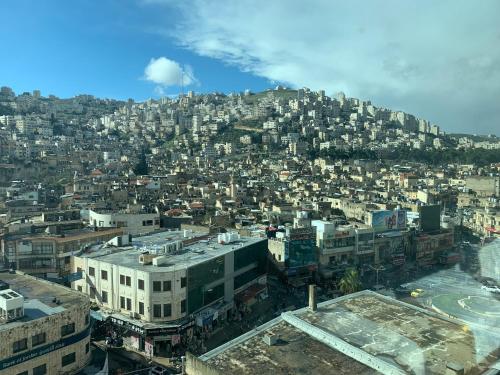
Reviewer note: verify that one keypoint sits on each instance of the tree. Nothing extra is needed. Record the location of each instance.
(350, 282)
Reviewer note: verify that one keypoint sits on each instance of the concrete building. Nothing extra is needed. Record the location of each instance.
(293, 252)
(131, 222)
(336, 247)
(360, 333)
(44, 327)
(159, 285)
(484, 186)
(48, 253)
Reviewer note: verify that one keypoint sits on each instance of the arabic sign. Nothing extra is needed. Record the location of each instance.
(20, 358)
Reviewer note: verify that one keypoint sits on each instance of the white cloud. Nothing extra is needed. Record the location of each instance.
(166, 72)
(437, 59)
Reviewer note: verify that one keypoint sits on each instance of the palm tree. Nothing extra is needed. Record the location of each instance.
(350, 282)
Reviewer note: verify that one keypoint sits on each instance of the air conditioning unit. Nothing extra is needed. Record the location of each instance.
(270, 339)
(146, 259)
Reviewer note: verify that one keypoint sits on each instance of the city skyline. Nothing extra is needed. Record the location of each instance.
(407, 58)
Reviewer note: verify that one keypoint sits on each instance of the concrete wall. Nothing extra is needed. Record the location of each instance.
(195, 366)
(131, 223)
(116, 290)
(484, 186)
(51, 325)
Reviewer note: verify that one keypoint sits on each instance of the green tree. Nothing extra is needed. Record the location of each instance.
(350, 282)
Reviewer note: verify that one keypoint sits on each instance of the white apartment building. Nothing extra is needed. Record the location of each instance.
(158, 284)
(131, 222)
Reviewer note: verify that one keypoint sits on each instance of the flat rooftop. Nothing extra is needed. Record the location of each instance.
(198, 249)
(69, 235)
(364, 332)
(39, 296)
(295, 353)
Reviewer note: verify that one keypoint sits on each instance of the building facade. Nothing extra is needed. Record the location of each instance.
(133, 223)
(46, 254)
(44, 327)
(160, 287)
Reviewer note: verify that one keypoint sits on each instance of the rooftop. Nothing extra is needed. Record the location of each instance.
(197, 249)
(359, 333)
(295, 353)
(41, 297)
(67, 235)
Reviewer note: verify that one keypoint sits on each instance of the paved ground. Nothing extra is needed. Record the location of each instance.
(489, 260)
(458, 294)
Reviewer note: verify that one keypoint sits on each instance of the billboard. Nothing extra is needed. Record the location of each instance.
(430, 217)
(385, 220)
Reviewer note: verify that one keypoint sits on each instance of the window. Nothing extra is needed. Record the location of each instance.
(87, 348)
(68, 359)
(141, 308)
(140, 284)
(40, 370)
(122, 280)
(20, 345)
(167, 310)
(104, 296)
(183, 282)
(156, 286)
(38, 339)
(128, 281)
(92, 293)
(183, 306)
(79, 288)
(157, 311)
(167, 286)
(87, 319)
(91, 271)
(122, 302)
(23, 373)
(104, 275)
(129, 304)
(67, 329)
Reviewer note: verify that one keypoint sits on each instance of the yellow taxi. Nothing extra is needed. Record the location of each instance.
(417, 293)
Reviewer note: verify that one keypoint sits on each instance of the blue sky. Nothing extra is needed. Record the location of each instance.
(101, 48)
(438, 60)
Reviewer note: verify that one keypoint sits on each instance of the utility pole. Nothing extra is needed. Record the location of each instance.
(377, 269)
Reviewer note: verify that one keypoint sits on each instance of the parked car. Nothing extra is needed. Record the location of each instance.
(492, 289)
(417, 293)
(158, 370)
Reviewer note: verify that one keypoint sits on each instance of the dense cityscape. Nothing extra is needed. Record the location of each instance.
(244, 233)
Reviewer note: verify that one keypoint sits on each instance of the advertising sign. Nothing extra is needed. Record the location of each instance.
(44, 350)
(385, 220)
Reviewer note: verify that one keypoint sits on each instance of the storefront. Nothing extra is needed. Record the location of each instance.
(152, 339)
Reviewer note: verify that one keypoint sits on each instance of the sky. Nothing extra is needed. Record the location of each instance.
(438, 60)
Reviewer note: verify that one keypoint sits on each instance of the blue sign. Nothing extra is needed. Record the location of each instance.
(20, 358)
